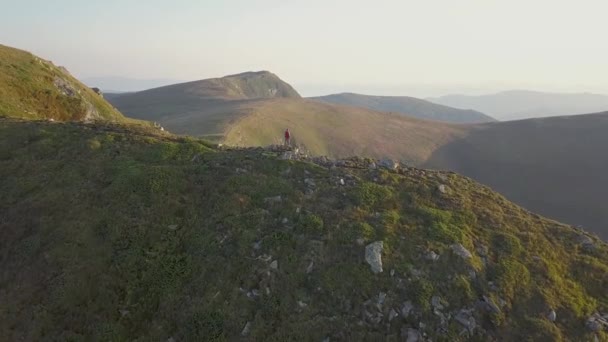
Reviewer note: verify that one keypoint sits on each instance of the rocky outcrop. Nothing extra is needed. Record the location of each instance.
(373, 256)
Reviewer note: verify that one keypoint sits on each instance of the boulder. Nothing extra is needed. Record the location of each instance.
(462, 252)
(388, 164)
(373, 256)
(552, 315)
(442, 188)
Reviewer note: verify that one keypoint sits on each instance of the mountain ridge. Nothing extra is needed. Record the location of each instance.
(407, 105)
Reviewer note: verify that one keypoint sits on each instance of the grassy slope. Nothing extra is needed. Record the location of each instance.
(554, 166)
(28, 90)
(114, 233)
(341, 131)
(409, 106)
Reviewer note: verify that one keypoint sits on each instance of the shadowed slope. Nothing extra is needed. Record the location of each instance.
(555, 166)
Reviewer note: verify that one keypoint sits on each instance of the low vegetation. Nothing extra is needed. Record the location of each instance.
(121, 232)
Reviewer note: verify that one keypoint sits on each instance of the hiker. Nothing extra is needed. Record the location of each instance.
(287, 137)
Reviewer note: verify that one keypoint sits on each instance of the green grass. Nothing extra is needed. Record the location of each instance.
(28, 90)
(114, 232)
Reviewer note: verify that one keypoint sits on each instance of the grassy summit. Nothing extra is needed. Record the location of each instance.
(31, 87)
(123, 233)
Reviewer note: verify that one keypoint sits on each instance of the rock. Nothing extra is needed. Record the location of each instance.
(246, 329)
(285, 220)
(123, 312)
(442, 188)
(274, 265)
(381, 298)
(309, 268)
(490, 305)
(410, 335)
(465, 318)
(170, 339)
(392, 314)
(196, 158)
(586, 242)
(406, 309)
(462, 252)
(392, 273)
(373, 256)
(342, 181)
(436, 303)
(442, 177)
(275, 199)
(597, 323)
(372, 166)
(173, 227)
(301, 304)
(432, 256)
(257, 245)
(310, 182)
(552, 315)
(389, 164)
(360, 241)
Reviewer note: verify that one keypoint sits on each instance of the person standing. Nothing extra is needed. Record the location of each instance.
(287, 137)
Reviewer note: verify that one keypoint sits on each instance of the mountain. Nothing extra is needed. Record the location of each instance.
(31, 87)
(409, 106)
(119, 232)
(522, 104)
(553, 166)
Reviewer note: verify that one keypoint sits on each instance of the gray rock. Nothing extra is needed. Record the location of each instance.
(465, 318)
(462, 252)
(173, 227)
(274, 264)
(381, 298)
(170, 339)
(373, 256)
(372, 166)
(411, 335)
(490, 305)
(275, 199)
(406, 309)
(436, 303)
(388, 164)
(586, 242)
(342, 181)
(392, 314)
(310, 182)
(597, 323)
(432, 256)
(257, 245)
(552, 315)
(310, 267)
(442, 188)
(246, 329)
(392, 273)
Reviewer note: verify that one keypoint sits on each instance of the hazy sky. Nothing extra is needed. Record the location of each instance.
(324, 45)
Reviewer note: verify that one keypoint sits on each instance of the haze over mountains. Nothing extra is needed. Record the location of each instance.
(409, 106)
(523, 104)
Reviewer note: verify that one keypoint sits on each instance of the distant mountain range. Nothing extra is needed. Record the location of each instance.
(406, 105)
(523, 104)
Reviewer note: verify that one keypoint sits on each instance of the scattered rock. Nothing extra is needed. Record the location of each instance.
(597, 323)
(381, 298)
(197, 158)
(274, 265)
(301, 304)
(552, 315)
(462, 252)
(586, 242)
(490, 305)
(170, 339)
(410, 335)
(392, 314)
(173, 227)
(392, 273)
(389, 164)
(372, 166)
(123, 312)
(310, 267)
(246, 329)
(466, 319)
(406, 309)
(257, 245)
(285, 220)
(442, 188)
(310, 182)
(360, 241)
(373, 256)
(342, 181)
(275, 199)
(432, 256)
(436, 303)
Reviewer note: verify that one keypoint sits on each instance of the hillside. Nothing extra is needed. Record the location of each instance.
(121, 233)
(553, 166)
(522, 104)
(31, 87)
(409, 106)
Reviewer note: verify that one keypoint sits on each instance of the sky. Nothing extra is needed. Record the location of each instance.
(384, 47)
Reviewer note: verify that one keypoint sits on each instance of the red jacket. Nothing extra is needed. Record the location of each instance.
(286, 134)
